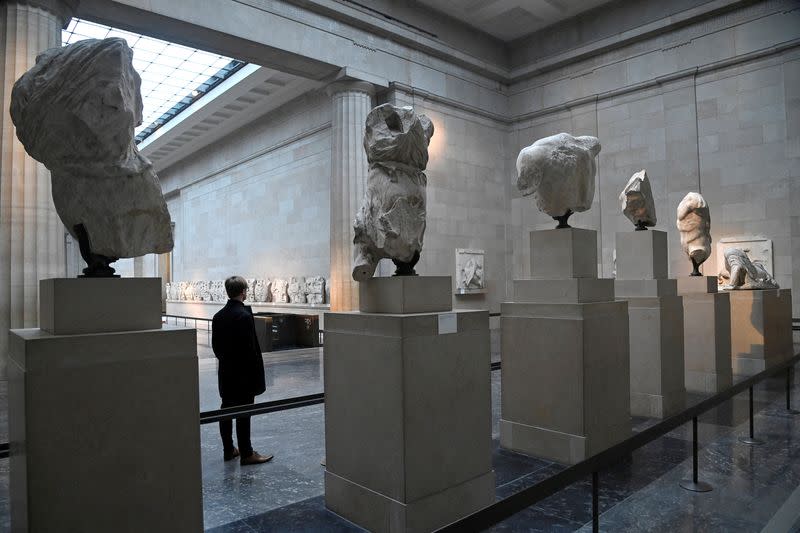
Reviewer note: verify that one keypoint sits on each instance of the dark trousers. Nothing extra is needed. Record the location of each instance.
(242, 427)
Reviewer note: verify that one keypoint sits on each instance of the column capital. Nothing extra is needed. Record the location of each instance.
(350, 86)
(63, 9)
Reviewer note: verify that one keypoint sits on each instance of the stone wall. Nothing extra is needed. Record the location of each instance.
(712, 107)
(257, 201)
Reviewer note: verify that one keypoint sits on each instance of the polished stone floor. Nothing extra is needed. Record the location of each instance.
(755, 488)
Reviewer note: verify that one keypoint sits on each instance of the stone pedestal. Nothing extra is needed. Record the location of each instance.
(656, 324)
(407, 409)
(565, 372)
(761, 329)
(707, 334)
(104, 426)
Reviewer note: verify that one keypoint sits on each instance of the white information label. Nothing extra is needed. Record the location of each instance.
(448, 323)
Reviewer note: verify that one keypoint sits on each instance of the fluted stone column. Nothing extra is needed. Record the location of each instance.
(31, 234)
(352, 102)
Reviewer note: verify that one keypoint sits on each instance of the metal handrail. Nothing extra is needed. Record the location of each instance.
(519, 501)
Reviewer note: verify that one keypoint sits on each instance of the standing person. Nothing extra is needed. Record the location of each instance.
(241, 369)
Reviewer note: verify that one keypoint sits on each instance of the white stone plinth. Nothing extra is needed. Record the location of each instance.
(563, 253)
(707, 334)
(574, 290)
(566, 378)
(407, 418)
(406, 294)
(642, 255)
(656, 352)
(99, 305)
(761, 329)
(104, 431)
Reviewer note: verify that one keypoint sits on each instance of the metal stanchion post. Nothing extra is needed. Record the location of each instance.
(694, 484)
(751, 440)
(595, 504)
(789, 376)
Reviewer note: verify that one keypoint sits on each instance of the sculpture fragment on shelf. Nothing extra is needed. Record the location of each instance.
(315, 290)
(260, 290)
(279, 290)
(559, 172)
(391, 221)
(740, 273)
(637, 203)
(75, 111)
(694, 225)
(297, 290)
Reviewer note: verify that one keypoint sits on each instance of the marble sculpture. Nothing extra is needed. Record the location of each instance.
(297, 290)
(279, 290)
(391, 221)
(260, 290)
(471, 275)
(315, 289)
(637, 202)
(75, 111)
(694, 225)
(559, 172)
(740, 272)
(218, 293)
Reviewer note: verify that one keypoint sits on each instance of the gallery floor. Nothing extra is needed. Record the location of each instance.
(755, 488)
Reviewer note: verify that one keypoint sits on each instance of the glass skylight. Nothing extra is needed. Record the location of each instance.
(173, 76)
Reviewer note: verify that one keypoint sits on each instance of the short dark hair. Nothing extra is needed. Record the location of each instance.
(235, 285)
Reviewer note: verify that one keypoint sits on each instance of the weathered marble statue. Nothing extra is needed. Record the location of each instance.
(260, 290)
(559, 172)
(471, 275)
(391, 221)
(203, 294)
(75, 111)
(218, 293)
(279, 290)
(694, 225)
(297, 290)
(183, 291)
(315, 290)
(637, 202)
(741, 273)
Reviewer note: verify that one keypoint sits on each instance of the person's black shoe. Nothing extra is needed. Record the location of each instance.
(255, 458)
(231, 455)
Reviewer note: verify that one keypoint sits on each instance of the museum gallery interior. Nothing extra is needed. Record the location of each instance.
(495, 265)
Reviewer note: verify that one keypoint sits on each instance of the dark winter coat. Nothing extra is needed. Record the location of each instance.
(233, 339)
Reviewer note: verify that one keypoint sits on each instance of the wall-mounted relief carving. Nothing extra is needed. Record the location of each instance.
(470, 276)
(297, 290)
(315, 290)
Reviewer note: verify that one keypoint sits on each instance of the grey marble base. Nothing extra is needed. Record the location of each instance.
(406, 294)
(656, 354)
(707, 335)
(761, 329)
(566, 378)
(407, 418)
(105, 431)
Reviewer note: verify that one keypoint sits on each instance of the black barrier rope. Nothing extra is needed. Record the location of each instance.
(507, 507)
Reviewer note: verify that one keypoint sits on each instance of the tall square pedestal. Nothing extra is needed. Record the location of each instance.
(656, 347)
(707, 335)
(407, 418)
(761, 329)
(566, 378)
(104, 427)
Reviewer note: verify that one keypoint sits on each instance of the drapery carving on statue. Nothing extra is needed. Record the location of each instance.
(75, 111)
(392, 218)
(739, 272)
(694, 225)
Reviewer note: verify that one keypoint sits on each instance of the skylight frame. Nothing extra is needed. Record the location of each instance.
(173, 76)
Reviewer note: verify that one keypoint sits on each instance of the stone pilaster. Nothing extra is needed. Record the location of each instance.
(352, 102)
(31, 234)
